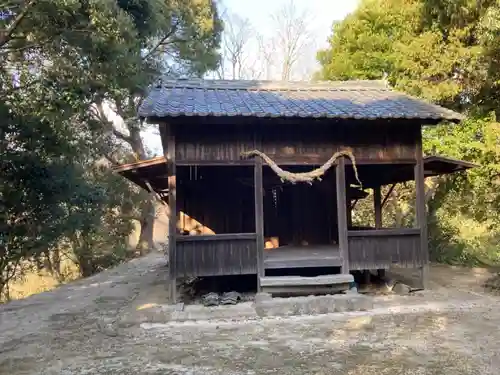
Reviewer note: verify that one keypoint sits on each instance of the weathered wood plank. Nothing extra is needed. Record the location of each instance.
(384, 232)
(259, 218)
(421, 212)
(302, 257)
(220, 256)
(303, 144)
(168, 143)
(377, 204)
(217, 237)
(284, 160)
(299, 280)
(379, 249)
(342, 214)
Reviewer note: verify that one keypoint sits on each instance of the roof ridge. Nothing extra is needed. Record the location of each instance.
(266, 85)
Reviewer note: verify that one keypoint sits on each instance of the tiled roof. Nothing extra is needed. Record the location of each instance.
(342, 100)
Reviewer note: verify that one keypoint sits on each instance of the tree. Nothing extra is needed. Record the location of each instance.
(292, 38)
(447, 52)
(58, 60)
(287, 53)
(235, 42)
(176, 39)
(42, 105)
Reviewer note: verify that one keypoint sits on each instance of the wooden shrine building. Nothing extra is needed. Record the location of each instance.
(248, 221)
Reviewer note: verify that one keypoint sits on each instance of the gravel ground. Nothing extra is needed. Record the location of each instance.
(449, 329)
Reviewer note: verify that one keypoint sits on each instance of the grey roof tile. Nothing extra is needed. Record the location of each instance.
(345, 99)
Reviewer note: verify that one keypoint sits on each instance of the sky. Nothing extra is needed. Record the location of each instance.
(322, 14)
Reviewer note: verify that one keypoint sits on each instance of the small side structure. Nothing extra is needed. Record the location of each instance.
(251, 222)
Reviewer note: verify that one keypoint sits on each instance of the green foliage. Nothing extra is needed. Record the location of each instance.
(58, 60)
(445, 51)
(363, 45)
(101, 226)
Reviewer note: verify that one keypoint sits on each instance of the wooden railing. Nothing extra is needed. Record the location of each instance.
(380, 248)
(212, 255)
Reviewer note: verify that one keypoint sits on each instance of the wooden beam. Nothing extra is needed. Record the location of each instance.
(421, 213)
(342, 214)
(168, 143)
(215, 163)
(377, 204)
(216, 237)
(282, 160)
(259, 219)
(156, 194)
(384, 232)
(388, 194)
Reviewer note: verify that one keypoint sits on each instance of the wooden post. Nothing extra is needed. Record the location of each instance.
(421, 213)
(168, 143)
(259, 218)
(342, 214)
(377, 204)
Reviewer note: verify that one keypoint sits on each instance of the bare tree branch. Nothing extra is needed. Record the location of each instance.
(162, 41)
(292, 37)
(267, 51)
(6, 35)
(289, 52)
(236, 36)
(7, 50)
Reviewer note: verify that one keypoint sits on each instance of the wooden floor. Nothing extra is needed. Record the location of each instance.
(302, 257)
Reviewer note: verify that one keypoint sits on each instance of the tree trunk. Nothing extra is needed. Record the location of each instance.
(86, 266)
(145, 242)
(52, 263)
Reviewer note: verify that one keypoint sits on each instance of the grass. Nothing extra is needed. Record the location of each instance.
(38, 282)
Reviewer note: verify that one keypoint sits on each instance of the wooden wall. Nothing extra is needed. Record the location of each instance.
(216, 255)
(215, 198)
(300, 143)
(378, 249)
(222, 199)
(304, 215)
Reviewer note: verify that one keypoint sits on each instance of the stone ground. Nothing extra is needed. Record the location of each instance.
(452, 328)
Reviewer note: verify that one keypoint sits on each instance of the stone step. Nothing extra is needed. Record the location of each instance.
(265, 305)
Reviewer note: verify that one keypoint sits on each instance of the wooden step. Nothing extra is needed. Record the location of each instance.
(289, 256)
(300, 285)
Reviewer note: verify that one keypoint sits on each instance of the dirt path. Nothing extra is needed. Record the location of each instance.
(444, 330)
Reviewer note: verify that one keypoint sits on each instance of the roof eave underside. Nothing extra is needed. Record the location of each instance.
(217, 119)
(145, 170)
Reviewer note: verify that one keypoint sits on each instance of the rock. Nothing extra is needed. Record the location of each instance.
(260, 297)
(352, 290)
(389, 285)
(313, 305)
(401, 289)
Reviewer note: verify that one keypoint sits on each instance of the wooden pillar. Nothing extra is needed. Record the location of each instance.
(342, 214)
(421, 213)
(259, 218)
(377, 204)
(168, 143)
